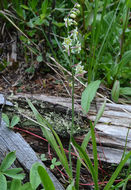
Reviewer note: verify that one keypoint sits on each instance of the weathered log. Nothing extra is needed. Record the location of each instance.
(11, 141)
(111, 130)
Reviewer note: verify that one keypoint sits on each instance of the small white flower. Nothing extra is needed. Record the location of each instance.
(76, 48)
(79, 69)
(73, 15)
(68, 22)
(77, 5)
(67, 43)
(75, 33)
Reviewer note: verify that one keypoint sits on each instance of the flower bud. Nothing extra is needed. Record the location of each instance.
(72, 15)
(78, 5)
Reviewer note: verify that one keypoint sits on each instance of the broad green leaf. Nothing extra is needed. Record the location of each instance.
(100, 112)
(26, 186)
(3, 182)
(117, 171)
(6, 119)
(8, 161)
(45, 179)
(14, 173)
(125, 91)
(115, 91)
(34, 176)
(15, 184)
(15, 120)
(89, 94)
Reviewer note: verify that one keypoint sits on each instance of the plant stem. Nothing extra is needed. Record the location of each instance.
(72, 126)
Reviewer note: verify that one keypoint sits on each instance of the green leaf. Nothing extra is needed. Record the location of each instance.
(25, 7)
(14, 173)
(33, 4)
(100, 112)
(52, 166)
(58, 163)
(94, 149)
(117, 171)
(3, 182)
(52, 138)
(6, 119)
(129, 3)
(125, 59)
(58, 24)
(34, 176)
(44, 8)
(78, 166)
(45, 179)
(42, 157)
(53, 160)
(88, 95)
(88, 163)
(40, 58)
(115, 91)
(8, 161)
(15, 184)
(15, 120)
(125, 91)
(26, 186)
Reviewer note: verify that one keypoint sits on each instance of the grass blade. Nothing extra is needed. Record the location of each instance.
(117, 171)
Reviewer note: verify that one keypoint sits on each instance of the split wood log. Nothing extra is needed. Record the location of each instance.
(112, 131)
(26, 157)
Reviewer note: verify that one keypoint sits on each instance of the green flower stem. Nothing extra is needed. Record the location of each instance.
(72, 126)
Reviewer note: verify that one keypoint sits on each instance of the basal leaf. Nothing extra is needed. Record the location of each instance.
(45, 179)
(115, 91)
(88, 95)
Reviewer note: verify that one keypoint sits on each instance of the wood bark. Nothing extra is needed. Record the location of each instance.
(26, 157)
(112, 131)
